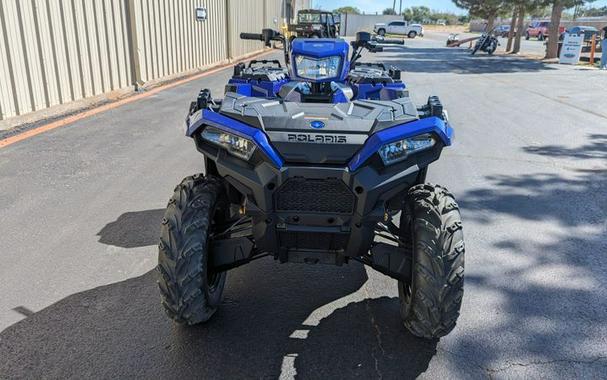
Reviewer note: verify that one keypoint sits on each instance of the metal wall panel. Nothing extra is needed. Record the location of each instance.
(274, 14)
(172, 41)
(244, 16)
(57, 51)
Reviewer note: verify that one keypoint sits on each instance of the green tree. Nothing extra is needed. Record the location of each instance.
(351, 10)
(558, 6)
(486, 9)
(419, 14)
(422, 14)
(388, 11)
(594, 12)
(520, 9)
(463, 19)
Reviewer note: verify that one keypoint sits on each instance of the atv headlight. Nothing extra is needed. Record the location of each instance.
(315, 69)
(235, 145)
(399, 150)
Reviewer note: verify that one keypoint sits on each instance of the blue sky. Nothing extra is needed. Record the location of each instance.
(372, 6)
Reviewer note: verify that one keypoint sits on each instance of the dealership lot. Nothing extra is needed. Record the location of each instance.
(82, 205)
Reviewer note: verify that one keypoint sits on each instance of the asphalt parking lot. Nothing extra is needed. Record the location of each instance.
(81, 206)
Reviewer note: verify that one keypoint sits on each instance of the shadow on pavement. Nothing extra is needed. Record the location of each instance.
(596, 148)
(275, 318)
(551, 280)
(133, 229)
(457, 60)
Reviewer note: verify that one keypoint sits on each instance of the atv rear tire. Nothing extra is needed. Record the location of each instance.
(432, 225)
(190, 292)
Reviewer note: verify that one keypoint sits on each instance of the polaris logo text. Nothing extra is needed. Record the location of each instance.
(317, 139)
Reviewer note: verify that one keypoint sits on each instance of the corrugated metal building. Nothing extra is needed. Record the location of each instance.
(57, 51)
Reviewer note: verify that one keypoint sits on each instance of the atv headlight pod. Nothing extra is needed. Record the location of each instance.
(235, 145)
(398, 151)
(316, 69)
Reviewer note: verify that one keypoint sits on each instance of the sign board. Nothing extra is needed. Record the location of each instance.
(572, 49)
(201, 14)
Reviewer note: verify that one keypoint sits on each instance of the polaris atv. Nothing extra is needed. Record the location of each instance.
(323, 160)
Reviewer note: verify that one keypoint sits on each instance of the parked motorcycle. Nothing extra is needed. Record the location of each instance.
(487, 43)
(453, 39)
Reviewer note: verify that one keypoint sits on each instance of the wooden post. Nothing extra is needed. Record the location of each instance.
(592, 48)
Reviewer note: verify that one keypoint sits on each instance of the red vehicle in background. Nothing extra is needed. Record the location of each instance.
(540, 30)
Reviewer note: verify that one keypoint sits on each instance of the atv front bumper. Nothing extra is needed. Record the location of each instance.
(318, 213)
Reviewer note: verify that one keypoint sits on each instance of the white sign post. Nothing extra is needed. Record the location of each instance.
(572, 49)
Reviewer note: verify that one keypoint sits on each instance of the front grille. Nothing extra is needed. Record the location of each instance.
(313, 240)
(329, 195)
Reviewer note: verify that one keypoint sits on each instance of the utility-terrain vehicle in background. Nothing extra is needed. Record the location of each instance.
(314, 23)
(323, 160)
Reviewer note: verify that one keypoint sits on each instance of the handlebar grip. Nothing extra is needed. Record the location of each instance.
(251, 36)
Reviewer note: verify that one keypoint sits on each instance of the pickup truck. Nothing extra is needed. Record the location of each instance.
(399, 27)
(539, 30)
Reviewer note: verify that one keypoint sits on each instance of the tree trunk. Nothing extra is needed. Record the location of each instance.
(553, 33)
(511, 32)
(490, 22)
(520, 30)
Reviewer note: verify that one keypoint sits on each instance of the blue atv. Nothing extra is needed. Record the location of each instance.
(323, 160)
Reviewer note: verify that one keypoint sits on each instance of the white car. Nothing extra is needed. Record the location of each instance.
(399, 27)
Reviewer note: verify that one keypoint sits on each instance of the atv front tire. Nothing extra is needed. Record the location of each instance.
(431, 223)
(190, 292)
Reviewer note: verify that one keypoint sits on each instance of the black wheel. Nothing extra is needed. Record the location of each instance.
(381, 32)
(432, 227)
(492, 48)
(527, 36)
(190, 291)
(475, 49)
(412, 34)
(540, 37)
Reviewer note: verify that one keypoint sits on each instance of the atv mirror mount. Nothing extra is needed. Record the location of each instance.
(363, 41)
(363, 37)
(269, 35)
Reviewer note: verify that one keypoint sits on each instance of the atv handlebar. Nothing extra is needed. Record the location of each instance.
(387, 41)
(266, 36)
(251, 36)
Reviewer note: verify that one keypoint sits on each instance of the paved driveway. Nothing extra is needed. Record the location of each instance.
(81, 205)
